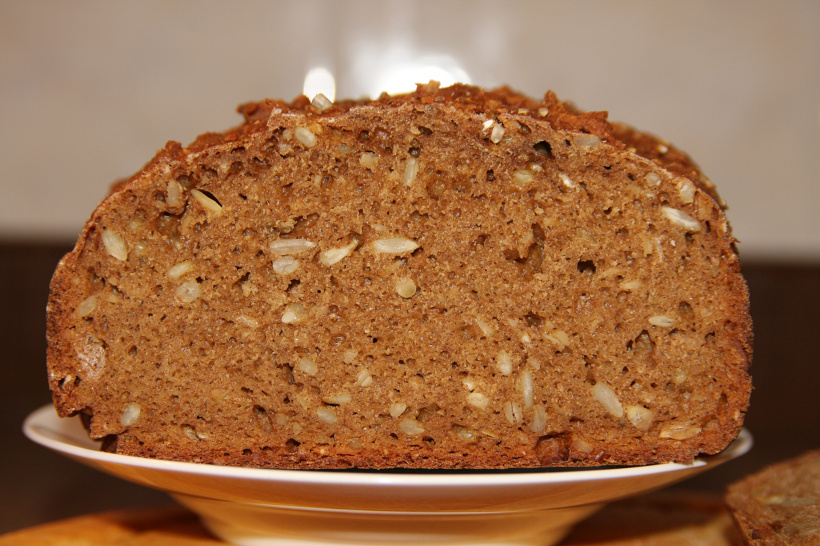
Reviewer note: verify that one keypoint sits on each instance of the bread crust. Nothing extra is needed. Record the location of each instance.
(576, 297)
(779, 504)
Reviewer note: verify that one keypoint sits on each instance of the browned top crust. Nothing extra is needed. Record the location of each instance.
(452, 278)
(561, 115)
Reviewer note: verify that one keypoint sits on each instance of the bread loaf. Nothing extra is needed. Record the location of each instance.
(780, 504)
(452, 278)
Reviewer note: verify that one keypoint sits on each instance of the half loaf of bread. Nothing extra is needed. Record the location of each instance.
(452, 278)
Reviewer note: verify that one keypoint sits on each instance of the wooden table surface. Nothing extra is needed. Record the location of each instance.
(38, 486)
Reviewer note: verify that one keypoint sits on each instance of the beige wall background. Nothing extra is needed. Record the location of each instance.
(90, 89)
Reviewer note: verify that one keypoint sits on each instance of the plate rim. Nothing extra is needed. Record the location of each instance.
(43, 424)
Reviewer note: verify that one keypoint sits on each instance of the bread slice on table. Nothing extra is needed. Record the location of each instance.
(780, 504)
(452, 278)
(669, 518)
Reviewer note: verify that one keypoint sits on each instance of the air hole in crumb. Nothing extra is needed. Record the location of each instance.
(416, 216)
(292, 285)
(437, 186)
(467, 332)
(642, 344)
(723, 403)
(242, 280)
(533, 320)
(287, 374)
(186, 181)
(586, 266)
(490, 175)
(292, 445)
(543, 148)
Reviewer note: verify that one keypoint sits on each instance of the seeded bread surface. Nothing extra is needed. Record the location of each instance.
(675, 518)
(780, 505)
(453, 278)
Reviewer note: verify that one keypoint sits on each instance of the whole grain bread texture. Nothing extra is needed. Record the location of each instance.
(780, 504)
(668, 518)
(452, 278)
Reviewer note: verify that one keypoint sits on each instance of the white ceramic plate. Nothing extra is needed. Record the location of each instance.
(255, 507)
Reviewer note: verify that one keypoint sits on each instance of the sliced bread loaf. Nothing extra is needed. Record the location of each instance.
(453, 278)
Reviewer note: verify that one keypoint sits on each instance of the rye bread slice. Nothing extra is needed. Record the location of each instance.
(453, 278)
(780, 505)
